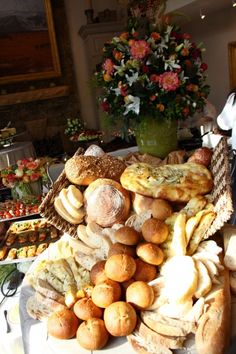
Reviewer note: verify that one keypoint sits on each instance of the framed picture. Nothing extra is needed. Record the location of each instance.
(27, 41)
(232, 64)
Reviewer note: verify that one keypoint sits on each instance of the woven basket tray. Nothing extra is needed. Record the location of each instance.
(221, 194)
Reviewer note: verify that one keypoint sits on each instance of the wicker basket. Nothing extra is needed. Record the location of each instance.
(221, 194)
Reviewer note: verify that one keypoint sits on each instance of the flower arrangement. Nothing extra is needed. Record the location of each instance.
(76, 131)
(24, 171)
(158, 71)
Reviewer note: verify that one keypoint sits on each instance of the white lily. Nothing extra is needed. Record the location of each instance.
(132, 79)
(132, 104)
(172, 64)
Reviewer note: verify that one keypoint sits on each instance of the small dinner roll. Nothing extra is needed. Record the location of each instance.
(161, 209)
(119, 248)
(144, 271)
(150, 253)
(127, 235)
(120, 267)
(106, 293)
(140, 295)
(85, 309)
(155, 231)
(97, 273)
(92, 334)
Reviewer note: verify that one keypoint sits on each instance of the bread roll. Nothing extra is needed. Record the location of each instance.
(107, 203)
(161, 209)
(120, 267)
(62, 324)
(83, 170)
(144, 271)
(94, 150)
(85, 309)
(92, 334)
(150, 253)
(155, 231)
(127, 235)
(141, 203)
(106, 293)
(97, 273)
(202, 156)
(140, 295)
(120, 318)
(119, 248)
(213, 333)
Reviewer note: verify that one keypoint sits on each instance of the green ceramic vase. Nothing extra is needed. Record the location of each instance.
(156, 136)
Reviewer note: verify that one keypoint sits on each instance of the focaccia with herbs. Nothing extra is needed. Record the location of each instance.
(179, 182)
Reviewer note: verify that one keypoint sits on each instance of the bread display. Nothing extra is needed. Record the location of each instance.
(171, 182)
(149, 271)
(83, 170)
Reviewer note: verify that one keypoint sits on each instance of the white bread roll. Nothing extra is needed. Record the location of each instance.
(213, 333)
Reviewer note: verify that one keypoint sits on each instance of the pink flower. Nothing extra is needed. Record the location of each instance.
(169, 81)
(139, 49)
(108, 66)
(35, 176)
(32, 165)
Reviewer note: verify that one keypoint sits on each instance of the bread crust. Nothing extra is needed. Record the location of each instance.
(213, 333)
(83, 170)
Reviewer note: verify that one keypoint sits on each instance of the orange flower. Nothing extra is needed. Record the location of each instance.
(107, 77)
(185, 111)
(169, 81)
(152, 98)
(124, 36)
(156, 36)
(192, 88)
(131, 41)
(184, 52)
(139, 49)
(117, 55)
(154, 78)
(161, 107)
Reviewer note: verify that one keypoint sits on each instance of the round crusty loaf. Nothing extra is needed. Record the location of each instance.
(106, 202)
(82, 170)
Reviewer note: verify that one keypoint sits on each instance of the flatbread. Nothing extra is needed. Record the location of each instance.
(178, 182)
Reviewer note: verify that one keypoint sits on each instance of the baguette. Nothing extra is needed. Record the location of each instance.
(213, 333)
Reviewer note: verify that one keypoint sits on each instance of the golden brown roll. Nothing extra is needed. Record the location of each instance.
(85, 309)
(150, 253)
(119, 248)
(107, 202)
(92, 334)
(161, 209)
(63, 324)
(82, 170)
(97, 273)
(120, 318)
(140, 295)
(120, 267)
(155, 231)
(144, 271)
(106, 293)
(127, 235)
